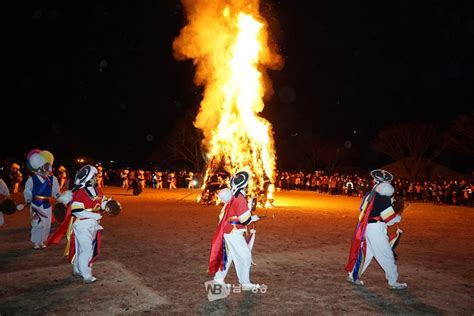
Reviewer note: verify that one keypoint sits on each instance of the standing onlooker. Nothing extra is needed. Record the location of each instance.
(190, 180)
(100, 176)
(15, 177)
(171, 180)
(62, 178)
(349, 187)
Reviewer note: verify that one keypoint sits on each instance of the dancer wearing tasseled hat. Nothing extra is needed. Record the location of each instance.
(39, 189)
(228, 242)
(370, 237)
(85, 206)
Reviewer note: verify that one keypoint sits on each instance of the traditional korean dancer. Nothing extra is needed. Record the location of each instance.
(81, 224)
(370, 238)
(228, 242)
(40, 188)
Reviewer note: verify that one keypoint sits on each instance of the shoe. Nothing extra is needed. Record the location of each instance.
(357, 282)
(250, 287)
(397, 286)
(36, 246)
(220, 282)
(42, 246)
(76, 274)
(90, 280)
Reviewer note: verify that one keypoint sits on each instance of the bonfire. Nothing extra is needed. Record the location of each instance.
(228, 42)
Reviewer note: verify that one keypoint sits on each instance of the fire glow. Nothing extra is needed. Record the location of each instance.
(228, 43)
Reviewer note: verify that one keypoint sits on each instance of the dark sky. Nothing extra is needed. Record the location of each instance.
(103, 82)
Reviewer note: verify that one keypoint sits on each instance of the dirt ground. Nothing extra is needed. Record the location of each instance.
(154, 261)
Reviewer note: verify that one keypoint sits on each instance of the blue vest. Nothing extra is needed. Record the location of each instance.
(42, 191)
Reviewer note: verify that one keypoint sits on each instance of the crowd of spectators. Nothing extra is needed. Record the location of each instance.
(454, 192)
(440, 191)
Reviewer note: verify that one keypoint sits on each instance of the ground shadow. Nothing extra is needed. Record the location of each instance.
(217, 307)
(415, 304)
(13, 231)
(11, 255)
(408, 305)
(246, 304)
(21, 304)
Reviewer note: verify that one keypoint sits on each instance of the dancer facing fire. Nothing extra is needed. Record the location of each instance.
(370, 237)
(228, 242)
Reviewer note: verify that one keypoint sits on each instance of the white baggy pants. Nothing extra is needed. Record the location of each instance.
(85, 232)
(378, 246)
(240, 253)
(40, 225)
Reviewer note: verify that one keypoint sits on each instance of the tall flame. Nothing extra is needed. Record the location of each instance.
(228, 42)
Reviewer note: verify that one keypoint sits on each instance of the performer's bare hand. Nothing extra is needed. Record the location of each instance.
(104, 202)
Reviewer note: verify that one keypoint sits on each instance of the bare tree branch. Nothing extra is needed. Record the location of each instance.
(182, 146)
(461, 136)
(412, 143)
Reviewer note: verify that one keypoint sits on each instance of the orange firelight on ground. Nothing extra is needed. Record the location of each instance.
(228, 43)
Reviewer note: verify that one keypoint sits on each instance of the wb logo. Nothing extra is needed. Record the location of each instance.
(216, 291)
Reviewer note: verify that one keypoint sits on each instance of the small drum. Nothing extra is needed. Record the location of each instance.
(8, 207)
(113, 207)
(59, 212)
(398, 204)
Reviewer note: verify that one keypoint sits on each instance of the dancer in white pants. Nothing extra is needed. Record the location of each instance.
(229, 244)
(86, 205)
(39, 189)
(86, 226)
(371, 239)
(240, 253)
(81, 225)
(378, 246)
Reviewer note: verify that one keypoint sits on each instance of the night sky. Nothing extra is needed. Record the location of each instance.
(103, 82)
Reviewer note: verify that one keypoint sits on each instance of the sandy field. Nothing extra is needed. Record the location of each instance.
(154, 262)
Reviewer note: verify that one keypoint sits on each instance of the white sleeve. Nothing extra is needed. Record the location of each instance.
(86, 214)
(103, 204)
(245, 216)
(4, 189)
(55, 189)
(394, 220)
(27, 193)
